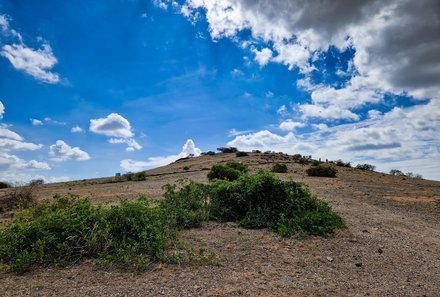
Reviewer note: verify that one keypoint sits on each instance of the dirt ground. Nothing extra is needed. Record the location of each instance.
(390, 248)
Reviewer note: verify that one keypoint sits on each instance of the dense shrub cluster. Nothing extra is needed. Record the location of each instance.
(365, 166)
(231, 170)
(241, 154)
(264, 201)
(132, 234)
(343, 164)
(279, 168)
(227, 150)
(321, 170)
(138, 176)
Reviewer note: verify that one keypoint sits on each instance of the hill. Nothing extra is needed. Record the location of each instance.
(390, 248)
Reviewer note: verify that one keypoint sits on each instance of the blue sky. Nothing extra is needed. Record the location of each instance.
(88, 89)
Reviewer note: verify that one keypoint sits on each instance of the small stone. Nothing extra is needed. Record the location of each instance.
(379, 250)
(359, 264)
(330, 259)
(353, 240)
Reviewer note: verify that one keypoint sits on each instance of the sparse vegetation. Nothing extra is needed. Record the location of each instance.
(227, 150)
(315, 163)
(303, 161)
(414, 175)
(396, 172)
(365, 166)
(321, 170)
(138, 176)
(186, 168)
(19, 196)
(241, 154)
(231, 170)
(279, 168)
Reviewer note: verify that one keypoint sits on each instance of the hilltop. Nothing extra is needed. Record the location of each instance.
(391, 246)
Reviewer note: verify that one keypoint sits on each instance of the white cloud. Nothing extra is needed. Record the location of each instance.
(261, 139)
(131, 143)
(113, 125)
(262, 57)
(289, 125)
(189, 148)
(76, 129)
(6, 133)
(55, 122)
(7, 144)
(61, 151)
(331, 112)
(237, 73)
(269, 94)
(36, 122)
(8, 162)
(36, 63)
(4, 23)
(2, 110)
(235, 132)
(282, 110)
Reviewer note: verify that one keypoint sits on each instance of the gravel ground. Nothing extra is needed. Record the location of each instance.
(390, 248)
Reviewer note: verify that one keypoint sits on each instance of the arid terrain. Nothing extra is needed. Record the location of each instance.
(390, 248)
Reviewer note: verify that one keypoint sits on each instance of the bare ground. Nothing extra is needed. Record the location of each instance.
(390, 248)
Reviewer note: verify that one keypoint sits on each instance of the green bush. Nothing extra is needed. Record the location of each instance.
(70, 229)
(264, 201)
(241, 154)
(321, 170)
(279, 168)
(138, 176)
(365, 166)
(342, 163)
(231, 170)
(4, 185)
(316, 163)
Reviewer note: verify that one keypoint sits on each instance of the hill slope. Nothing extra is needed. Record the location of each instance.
(391, 246)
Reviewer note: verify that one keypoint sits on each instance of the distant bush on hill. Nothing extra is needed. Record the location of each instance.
(279, 168)
(342, 163)
(227, 150)
(4, 185)
(365, 166)
(321, 170)
(231, 170)
(241, 154)
(19, 196)
(208, 153)
(138, 176)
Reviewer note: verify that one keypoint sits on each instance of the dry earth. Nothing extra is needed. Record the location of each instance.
(390, 248)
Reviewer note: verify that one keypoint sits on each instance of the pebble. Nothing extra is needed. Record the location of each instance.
(330, 259)
(359, 264)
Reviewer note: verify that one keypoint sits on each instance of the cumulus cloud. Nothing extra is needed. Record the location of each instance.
(131, 143)
(36, 63)
(36, 122)
(262, 57)
(289, 125)
(8, 162)
(189, 148)
(113, 125)
(8, 144)
(61, 151)
(235, 132)
(261, 139)
(76, 129)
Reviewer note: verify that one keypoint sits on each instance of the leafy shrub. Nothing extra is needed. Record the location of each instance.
(70, 229)
(187, 206)
(414, 175)
(227, 150)
(209, 153)
(4, 185)
(264, 201)
(297, 156)
(316, 163)
(320, 170)
(342, 163)
(241, 154)
(186, 168)
(22, 196)
(396, 172)
(138, 176)
(365, 166)
(279, 168)
(303, 161)
(229, 171)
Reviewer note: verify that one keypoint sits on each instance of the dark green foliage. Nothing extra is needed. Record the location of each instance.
(187, 207)
(70, 229)
(279, 168)
(342, 163)
(186, 168)
(227, 150)
(321, 170)
(138, 176)
(396, 172)
(231, 170)
(303, 161)
(365, 166)
(297, 156)
(209, 153)
(315, 163)
(241, 154)
(264, 201)
(4, 185)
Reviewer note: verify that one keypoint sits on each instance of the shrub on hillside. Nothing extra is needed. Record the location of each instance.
(365, 166)
(4, 185)
(264, 201)
(279, 168)
(316, 163)
(303, 161)
(241, 154)
(231, 170)
(20, 196)
(138, 176)
(321, 170)
(414, 175)
(396, 172)
(342, 163)
(227, 150)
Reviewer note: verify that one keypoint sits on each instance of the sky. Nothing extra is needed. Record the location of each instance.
(92, 88)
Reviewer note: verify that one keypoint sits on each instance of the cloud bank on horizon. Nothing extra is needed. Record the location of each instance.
(335, 79)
